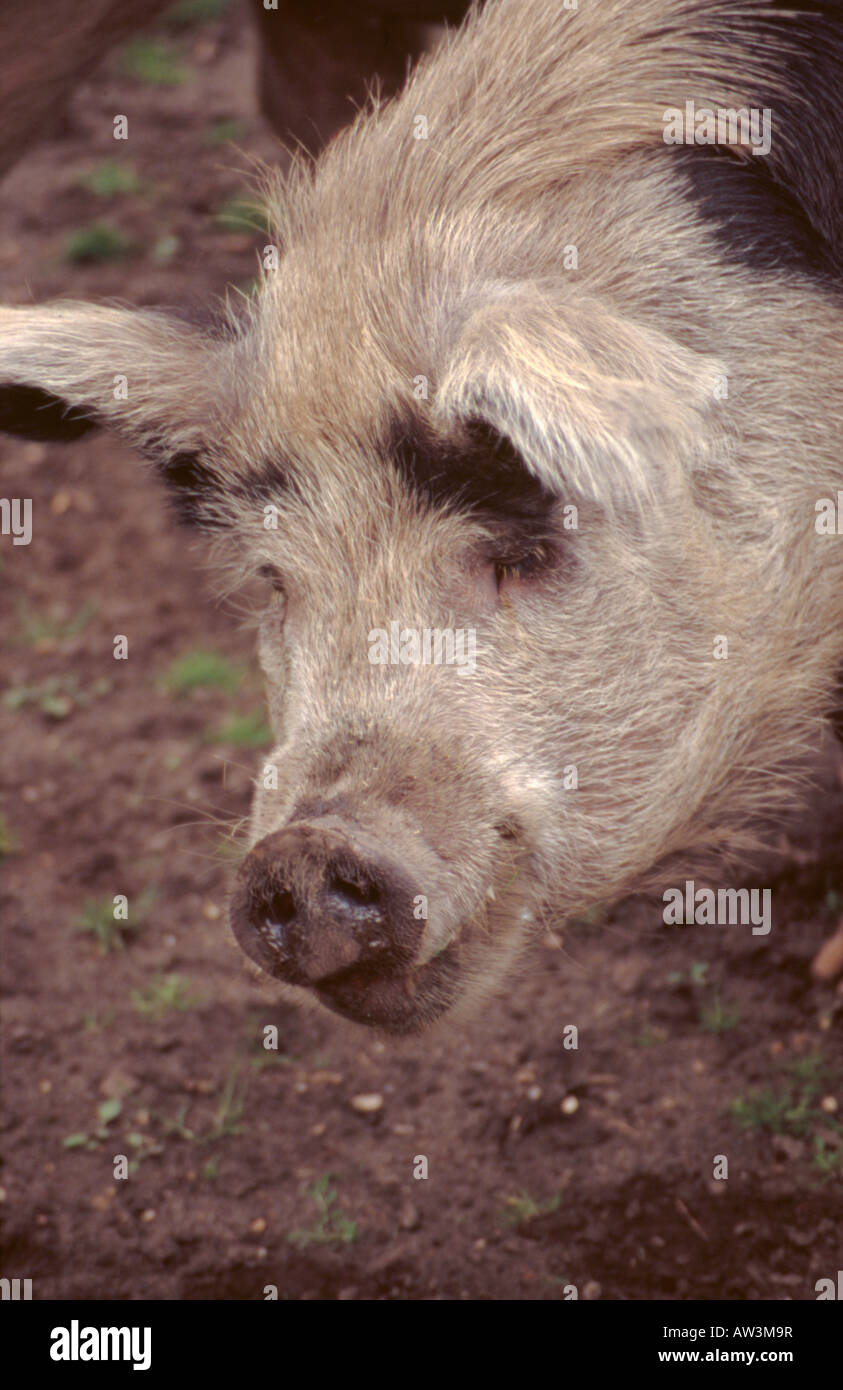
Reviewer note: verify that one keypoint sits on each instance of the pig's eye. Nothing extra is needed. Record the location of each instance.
(522, 566)
(270, 573)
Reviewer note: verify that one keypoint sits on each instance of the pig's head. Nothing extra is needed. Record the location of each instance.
(489, 518)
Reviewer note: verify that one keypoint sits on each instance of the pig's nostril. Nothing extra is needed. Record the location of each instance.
(274, 934)
(357, 902)
(362, 894)
(312, 906)
(281, 908)
(274, 918)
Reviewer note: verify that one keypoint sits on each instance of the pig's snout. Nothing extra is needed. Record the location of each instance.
(318, 906)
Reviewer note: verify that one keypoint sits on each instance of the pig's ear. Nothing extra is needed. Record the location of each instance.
(594, 404)
(158, 381)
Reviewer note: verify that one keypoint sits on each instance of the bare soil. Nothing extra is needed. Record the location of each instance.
(546, 1166)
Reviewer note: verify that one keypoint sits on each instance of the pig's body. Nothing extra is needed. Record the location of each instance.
(541, 306)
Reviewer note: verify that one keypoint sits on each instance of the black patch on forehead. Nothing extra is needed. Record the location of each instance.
(35, 414)
(190, 481)
(757, 221)
(481, 475)
(264, 482)
(197, 490)
(792, 219)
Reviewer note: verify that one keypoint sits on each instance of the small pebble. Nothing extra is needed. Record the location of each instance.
(828, 962)
(367, 1103)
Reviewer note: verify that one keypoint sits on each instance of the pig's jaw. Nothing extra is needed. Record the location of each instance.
(398, 1004)
(456, 983)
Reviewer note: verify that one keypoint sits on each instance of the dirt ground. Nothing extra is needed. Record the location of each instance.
(547, 1166)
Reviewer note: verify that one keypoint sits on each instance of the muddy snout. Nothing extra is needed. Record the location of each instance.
(320, 898)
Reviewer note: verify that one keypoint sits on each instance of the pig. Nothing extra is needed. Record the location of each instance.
(533, 436)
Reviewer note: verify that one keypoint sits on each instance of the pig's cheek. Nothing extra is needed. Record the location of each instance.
(273, 796)
(276, 710)
(276, 623)
(533, 791)
(274, 658)
(262, 816)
